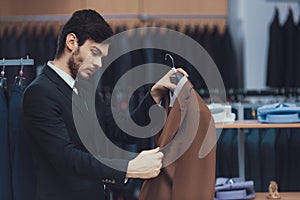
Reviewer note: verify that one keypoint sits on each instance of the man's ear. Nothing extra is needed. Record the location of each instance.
(71, 42)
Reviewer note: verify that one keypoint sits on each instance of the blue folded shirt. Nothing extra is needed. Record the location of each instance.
(279, 113)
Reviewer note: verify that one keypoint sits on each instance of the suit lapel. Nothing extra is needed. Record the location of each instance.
(64, 88)
(175, 116)
(61, 85)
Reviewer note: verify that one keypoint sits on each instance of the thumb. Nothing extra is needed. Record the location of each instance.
(151, 151)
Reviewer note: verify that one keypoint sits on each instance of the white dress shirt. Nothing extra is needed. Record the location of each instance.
(64, 75)
(179, 86)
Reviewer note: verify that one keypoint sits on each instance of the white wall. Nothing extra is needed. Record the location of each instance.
(254, 18)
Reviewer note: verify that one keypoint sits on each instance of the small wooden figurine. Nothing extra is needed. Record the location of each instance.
(273, 191)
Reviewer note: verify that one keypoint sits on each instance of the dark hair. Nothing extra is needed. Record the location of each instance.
(85, 24)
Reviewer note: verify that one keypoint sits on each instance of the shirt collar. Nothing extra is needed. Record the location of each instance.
(178, 88)
(65, 76)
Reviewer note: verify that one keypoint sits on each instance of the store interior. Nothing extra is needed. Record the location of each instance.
(254, 44)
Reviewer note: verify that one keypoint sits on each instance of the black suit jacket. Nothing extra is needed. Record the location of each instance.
(276, 66)
(289, 32)
(64, 168)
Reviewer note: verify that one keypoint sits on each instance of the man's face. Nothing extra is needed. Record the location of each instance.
(87, 58)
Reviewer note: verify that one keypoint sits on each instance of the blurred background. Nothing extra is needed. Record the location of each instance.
(255, 45)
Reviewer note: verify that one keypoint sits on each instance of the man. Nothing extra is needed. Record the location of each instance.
(65, 170)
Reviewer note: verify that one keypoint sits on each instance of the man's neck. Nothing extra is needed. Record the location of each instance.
(62, 63)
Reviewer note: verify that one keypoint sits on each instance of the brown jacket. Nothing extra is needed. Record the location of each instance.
(188, 141)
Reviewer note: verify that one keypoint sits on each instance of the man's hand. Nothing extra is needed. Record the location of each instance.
(164, 84)
(146, 165)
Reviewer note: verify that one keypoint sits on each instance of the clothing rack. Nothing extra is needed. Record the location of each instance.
(15, 62)
(284, 1)
(181, 16)
(19, 79)
(114, 16)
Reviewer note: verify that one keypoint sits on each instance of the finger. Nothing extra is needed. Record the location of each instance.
(153, 174)
(157, 173)
(171, 87)
(159, 166)
(150, 175)
(160, 155)
(180, 70)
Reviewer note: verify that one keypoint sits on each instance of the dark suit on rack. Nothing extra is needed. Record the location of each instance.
(12, 52)
(281, 151)
(227, 61)
(290, 35)
(267, 156)
(252, 157)
(5, 170)
(275, 66)
(64, 168)
(21, 158)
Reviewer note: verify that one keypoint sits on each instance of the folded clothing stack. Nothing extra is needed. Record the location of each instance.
(221, 113)
(234, 189)
(278, 113)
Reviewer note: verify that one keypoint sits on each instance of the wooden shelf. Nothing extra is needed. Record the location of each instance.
(284, 196)
(255, 124)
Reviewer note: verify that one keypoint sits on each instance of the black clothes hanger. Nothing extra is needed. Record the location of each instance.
(19, 79)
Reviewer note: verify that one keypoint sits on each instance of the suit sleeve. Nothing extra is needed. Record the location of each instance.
(43, 122)
(139, 114)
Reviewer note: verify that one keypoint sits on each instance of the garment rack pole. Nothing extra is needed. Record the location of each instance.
(181, 16)
(114, 16)
(284, 1)
(16, 62)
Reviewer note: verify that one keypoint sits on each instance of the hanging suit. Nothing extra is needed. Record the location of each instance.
(275, 67)
(33, 41)
(24, 40)
(229, 155)
(50, 42)
(252, 159)
(297, 59)
(204, 41)
(21, 158)
(4, 43)
(267, 157)
(5, 167)
(192, 175)
(194, 76)
(41, 50)
(12, 53)
(282, 158)
(294, 162)
(228, 62)
(289, 33)
(15, 97)
(23, 43)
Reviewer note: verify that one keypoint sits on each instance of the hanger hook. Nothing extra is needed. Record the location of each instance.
(3, 69)
(21, 70)
(166, 57)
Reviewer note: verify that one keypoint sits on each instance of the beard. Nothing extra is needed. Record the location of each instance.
(75, 62)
